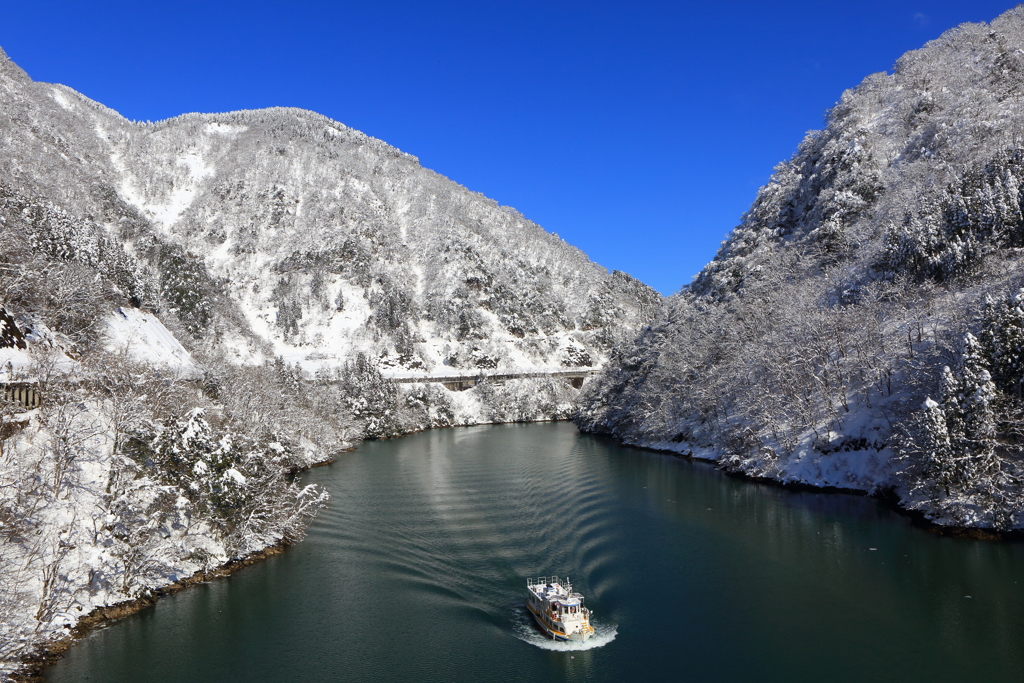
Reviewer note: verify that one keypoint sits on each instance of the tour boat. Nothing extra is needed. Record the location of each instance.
(557, 610)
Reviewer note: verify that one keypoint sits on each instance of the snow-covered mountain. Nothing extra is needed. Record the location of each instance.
(885, 250)
(283, 233)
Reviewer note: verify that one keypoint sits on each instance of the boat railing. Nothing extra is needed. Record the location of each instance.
(541, 581)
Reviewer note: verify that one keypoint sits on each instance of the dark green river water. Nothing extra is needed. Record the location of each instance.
(417, 572)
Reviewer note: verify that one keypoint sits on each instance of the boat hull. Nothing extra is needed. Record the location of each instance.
(553, 634)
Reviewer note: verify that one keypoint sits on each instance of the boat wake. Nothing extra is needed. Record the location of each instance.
(526, 631)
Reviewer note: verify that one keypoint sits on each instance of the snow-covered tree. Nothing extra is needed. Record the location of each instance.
(967, 397)
(370, 398)
(938, 463)
(1003, 339)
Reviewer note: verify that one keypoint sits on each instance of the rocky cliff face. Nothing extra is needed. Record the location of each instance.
(858, 328)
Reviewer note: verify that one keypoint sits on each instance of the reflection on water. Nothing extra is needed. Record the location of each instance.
(418, 571)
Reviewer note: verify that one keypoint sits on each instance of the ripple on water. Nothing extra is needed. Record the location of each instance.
(417, 572)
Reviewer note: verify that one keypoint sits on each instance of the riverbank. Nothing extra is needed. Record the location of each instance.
(33, 665)
(106, 540)
(887, 494)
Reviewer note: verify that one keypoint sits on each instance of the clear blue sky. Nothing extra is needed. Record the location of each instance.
(638, 131)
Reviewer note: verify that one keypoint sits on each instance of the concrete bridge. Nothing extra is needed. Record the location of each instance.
(461, 382)
(23, 396)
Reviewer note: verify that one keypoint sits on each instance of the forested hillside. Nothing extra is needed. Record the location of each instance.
(283, 233)
(862, 326)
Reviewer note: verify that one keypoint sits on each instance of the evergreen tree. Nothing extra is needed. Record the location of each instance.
(1003, 341)
(371, 398)
(935, 447)
(958, 448)
(975, 436)
(206, 468)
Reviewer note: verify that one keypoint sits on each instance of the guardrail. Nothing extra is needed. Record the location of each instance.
(467, 381)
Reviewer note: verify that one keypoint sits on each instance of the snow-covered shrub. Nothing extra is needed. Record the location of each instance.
(371, 399)
(240, 481)
(526, 400)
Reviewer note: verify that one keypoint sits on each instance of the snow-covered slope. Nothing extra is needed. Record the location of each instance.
(280, 232)
(144, 339)
(806, 350)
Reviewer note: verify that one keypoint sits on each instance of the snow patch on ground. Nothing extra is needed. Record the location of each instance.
(15, 365)
(240, 349)
(60, 99)
(181, 197)
(44, 356)
(143, 338)
(858, 458)
(165, 210)
(225, 129)
(680, 448)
